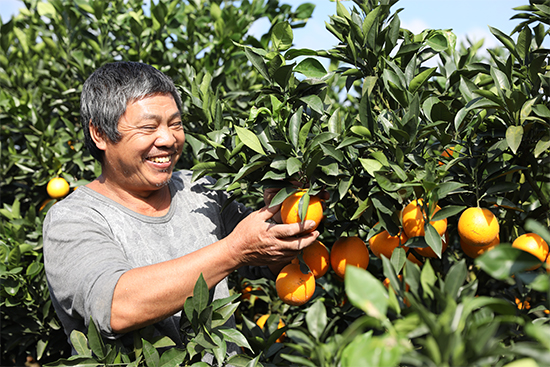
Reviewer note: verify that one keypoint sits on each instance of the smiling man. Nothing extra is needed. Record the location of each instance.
(127, 248)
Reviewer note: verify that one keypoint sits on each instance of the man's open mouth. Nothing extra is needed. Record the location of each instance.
(164, 159)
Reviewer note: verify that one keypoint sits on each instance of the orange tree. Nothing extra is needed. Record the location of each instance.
(46, 53)
(370, 131)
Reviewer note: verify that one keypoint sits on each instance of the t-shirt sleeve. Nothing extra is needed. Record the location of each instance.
(83, 264)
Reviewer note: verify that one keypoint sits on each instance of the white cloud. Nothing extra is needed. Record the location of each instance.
(416, 25)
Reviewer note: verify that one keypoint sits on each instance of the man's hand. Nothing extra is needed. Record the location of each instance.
(258, 241)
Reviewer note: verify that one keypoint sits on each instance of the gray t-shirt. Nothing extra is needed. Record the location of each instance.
(91, 240)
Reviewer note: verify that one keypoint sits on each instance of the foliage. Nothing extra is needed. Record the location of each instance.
(209, 338)
(370, 129)
(47, 51)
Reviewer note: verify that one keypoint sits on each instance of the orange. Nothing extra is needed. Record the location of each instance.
(475, 251)
(447, 153)
(294, 287)
(428, 252)
(261, 322)
(57, 188)
(348, 251)
(523, 305)
(290, 209)
(246, 292)
(478, 226)
(384, 244)
(316, 256)
(413, 220)
(534, 244)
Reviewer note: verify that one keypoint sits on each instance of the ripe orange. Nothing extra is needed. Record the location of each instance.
(475, 251)
(246, 292)
(523, 305)
(383, 243)
(534, 244)
(413, 220)
(290, 209)
(348, 251)
(57, 188)
(294, 287)
(261, 322)
(478, 226)
(316, 256)
(447, 153)
(428, 252)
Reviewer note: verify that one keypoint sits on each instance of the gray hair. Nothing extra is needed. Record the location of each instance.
(109, 89)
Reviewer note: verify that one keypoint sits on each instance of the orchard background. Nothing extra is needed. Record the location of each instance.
(370, 131)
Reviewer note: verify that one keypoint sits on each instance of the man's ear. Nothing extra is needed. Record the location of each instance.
(97, 137)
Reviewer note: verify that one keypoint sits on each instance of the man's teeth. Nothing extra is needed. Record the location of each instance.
(160, 159)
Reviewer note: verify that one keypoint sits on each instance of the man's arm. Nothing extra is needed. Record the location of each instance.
(152, 293)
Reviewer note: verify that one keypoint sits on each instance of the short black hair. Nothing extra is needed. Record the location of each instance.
(107, 92)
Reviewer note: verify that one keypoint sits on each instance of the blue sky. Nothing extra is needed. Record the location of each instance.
(465, 17)
(470, 18)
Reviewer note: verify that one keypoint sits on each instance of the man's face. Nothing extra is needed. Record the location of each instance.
(151, 144)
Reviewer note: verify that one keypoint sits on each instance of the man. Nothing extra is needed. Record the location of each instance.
(127, 248)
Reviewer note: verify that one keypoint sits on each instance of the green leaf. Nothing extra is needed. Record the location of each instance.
(298, 360)
(428, 279)
(316, 319)
(200, 295)
(314, 102)
(282, 36)
(234, 336)
(542, 146)
(538, 228)
(455, 278)
(371, 165)
(294, 165)
(80, 343)
(446, 212)
(173, 357)
(311, 68)
(151, 355)
(294, 128)
(421, 79)
(282, 195)
(368, 350)
(433, 239)
(95, 340)
(506, 40)
(503, 261)
(303, 206)
(514, 135)
(258, 62)
(250, 139)
(366, 292)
